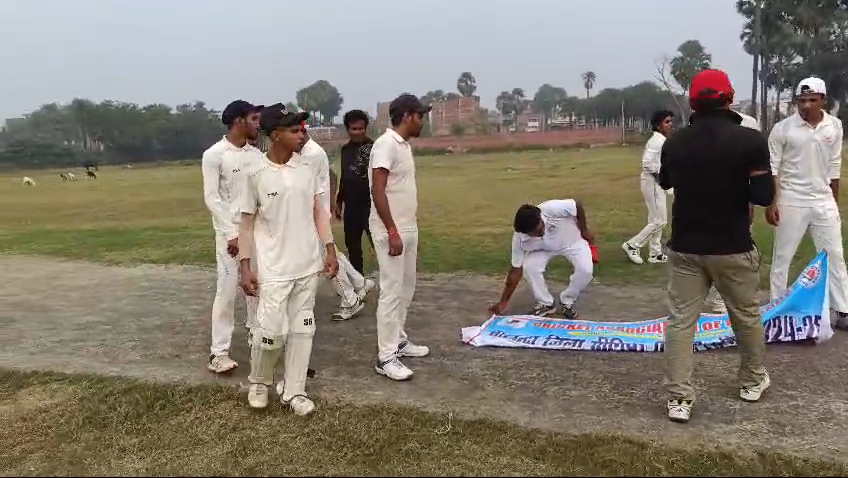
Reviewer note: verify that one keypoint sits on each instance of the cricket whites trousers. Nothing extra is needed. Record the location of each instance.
(223, 308)
(655, 201)
(578, 254)
(397, 286)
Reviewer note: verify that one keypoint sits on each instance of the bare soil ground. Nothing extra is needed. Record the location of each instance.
(152, 322)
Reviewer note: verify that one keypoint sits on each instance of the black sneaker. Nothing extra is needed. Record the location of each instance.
(568, 312)
(543, 310)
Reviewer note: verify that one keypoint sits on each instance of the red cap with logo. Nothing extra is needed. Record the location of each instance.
(710, 84)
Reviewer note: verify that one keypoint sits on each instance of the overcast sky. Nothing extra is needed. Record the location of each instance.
(176, 51)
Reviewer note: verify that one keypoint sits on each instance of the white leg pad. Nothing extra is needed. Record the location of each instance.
(264, 356)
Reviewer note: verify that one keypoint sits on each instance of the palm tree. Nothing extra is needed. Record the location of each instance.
(466, 84)
(589, 81)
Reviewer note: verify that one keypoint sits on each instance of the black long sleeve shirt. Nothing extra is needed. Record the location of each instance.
(709, 164)
(354, 191)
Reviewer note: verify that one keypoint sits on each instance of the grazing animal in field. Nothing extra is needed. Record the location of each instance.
(90, 174)
(70, 176)
(63, 176)
(129, 166)
(27, 181)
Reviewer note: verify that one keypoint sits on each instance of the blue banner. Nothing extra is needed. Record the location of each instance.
(801, 313)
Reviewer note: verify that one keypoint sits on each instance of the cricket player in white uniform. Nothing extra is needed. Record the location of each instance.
(283, 216)
(806, 161)
(222, 167)
(554, 228)
(349, 284)
(662, 123)
(714, 302)
(394, 228)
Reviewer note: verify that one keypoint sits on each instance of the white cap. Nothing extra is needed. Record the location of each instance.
(811, 85)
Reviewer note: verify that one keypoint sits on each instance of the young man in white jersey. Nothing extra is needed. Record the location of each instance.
(282, 214)
(553, 228)
(394, 228)
(662, 123)
(349, 284)
(806, 160)
(222, 166)
(715, 303)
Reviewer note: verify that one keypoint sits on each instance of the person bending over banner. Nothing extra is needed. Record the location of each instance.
(282, 215)
(553, 228)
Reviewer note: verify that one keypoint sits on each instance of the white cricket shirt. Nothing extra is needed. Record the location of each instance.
(318, 160)
(651, 154)
(282, 198)
(805, 159)
(393, 153)
(222, 165)
(561, 231)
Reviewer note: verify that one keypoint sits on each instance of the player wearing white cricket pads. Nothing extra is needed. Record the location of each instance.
(662, 123)
(222, 166)
(394, 228)
(553, 228)
(283, 215)
(806, 161)
(349, 284)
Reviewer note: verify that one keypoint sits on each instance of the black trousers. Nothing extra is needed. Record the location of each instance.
(355, 223)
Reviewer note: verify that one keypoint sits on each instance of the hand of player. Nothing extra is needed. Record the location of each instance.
(331, 263)
(249, 284)
(232, 247)
(772, 215)
(395, 244)
(588, 235)
(497, 308)
(338, 211)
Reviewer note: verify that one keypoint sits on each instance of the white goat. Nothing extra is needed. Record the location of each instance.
(27, 181)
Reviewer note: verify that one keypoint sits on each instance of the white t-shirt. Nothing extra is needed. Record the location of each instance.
(222, 166)
(651, 154)
(805, 159)
(561, 231)
(393, 153)
(282, 197)
(314, 154)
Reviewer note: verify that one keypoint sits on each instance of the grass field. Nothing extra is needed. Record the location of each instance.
(85, 425)
(156, 215)
(67, 424)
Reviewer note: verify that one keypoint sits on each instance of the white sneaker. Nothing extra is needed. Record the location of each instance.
(301, 405)
(754, 393)
(366, 289)
(679, 410)
(257, 395)
(658, 259)
(281, 387)
(632, 253)
(345, 313)
(221, 363)
(408, 349)
(393, 369)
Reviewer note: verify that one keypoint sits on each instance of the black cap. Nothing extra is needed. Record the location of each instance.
(238, 109)
(407, 103)
(277, 116)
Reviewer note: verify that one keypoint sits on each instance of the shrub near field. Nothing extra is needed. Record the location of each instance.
(157, 215)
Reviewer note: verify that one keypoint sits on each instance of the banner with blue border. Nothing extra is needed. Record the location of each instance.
(802, 313)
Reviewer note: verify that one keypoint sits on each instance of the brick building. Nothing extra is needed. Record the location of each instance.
(463, 110)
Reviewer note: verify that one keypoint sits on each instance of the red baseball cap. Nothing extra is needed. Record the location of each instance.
(710, 84)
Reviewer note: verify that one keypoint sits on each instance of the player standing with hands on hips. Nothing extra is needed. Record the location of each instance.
(282, 214)
(394, 228)
(806, 161)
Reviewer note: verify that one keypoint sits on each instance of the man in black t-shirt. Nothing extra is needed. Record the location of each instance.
(353, 201)
(716, 167)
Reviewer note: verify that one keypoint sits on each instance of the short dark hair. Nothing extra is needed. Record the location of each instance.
(701, 105)
(659, 117)
(354, 116)
(527, 218)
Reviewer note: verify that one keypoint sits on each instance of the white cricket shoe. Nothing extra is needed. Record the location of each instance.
(301, 405)
(408, 349)
(281, 387)
(658, 259)
(257, 395)
(754, 393)
(221, 363)
(632, 253)
(679, 410)
(394, 369)
(346, 313)
(363, 292)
